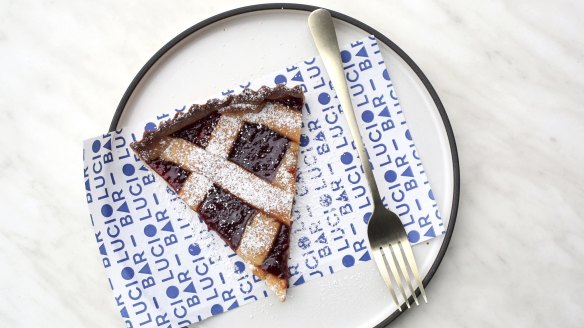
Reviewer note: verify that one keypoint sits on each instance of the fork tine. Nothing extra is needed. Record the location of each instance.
(404, 269)
(412, 262)
(393, 267)
(378, 255)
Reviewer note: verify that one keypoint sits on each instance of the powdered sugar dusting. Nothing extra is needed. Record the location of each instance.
(177, 152)
(257, 239)
(243, 184)
(195, 189)
(279, 118)
(243, 107)
(286, 173)
(224, 135)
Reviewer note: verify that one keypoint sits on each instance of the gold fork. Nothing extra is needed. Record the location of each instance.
(387, 236)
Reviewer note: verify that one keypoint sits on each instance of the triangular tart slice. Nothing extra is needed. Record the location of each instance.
(233, 161)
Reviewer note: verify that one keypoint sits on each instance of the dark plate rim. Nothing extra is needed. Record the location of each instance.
(301, 7)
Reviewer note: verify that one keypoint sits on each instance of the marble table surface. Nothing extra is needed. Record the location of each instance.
(511, 77)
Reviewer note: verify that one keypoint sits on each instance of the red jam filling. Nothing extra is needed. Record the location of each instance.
(259, 150)
(226, 214)
(199, 132)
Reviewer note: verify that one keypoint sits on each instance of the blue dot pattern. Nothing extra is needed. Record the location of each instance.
(386, 74)
(413, 236)
(390, 176)
(160, 254)
(408, 135)
(150, 126)
(128, 170)
(239, 267)
(304, 242)
(367, 116)
(348, 261)
(194, 249)
(347, 158)
(304, 140)
(172, 292)
(150, 230)
(96, 146)
(127, 273)
(324, 98)
(366, 217)
(107, 210)
(280, 79)
(345, 56)
(216, 309)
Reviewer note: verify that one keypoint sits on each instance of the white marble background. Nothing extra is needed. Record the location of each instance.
(510, 74)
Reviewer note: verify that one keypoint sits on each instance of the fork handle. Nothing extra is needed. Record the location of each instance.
(323, 32)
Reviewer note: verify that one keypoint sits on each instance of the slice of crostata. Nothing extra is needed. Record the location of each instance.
(233, 161)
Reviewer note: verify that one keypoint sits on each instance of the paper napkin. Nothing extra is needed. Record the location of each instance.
(166, 269)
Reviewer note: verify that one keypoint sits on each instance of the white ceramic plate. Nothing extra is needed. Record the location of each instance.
(250, 42)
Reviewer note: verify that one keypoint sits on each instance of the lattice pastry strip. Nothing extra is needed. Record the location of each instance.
(234, 162)
(258, 238)
(224, 135)
(194, 190)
